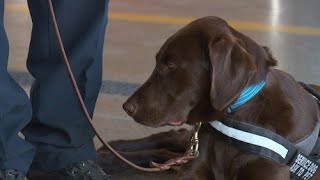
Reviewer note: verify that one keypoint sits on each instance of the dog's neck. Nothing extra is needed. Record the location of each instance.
(246, 95)
(280, 106)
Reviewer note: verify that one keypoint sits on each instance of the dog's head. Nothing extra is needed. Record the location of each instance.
(199, 70)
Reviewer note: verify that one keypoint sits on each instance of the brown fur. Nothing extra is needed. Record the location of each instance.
(200, 71)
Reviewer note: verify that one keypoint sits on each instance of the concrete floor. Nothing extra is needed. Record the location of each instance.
(136, 30)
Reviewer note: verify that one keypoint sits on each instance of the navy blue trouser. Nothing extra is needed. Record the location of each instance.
(56, 131)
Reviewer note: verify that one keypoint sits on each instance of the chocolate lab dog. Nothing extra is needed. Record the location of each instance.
(200, 71)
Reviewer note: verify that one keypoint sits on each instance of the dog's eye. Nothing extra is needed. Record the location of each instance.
(170, 66)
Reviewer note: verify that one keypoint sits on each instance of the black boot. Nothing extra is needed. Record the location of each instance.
(86, 170)
(11, 174)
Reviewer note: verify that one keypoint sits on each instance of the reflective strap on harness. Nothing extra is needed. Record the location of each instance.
(266, 144)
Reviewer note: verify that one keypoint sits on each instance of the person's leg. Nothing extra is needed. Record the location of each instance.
(15, 113)
(59, 128)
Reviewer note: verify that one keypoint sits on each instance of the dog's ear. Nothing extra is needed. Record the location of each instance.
(271, 61)
(232, 69)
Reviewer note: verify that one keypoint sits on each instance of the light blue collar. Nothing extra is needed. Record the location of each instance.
(246, 94)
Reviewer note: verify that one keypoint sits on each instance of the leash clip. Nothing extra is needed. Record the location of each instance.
(194, 142)
(191, 153)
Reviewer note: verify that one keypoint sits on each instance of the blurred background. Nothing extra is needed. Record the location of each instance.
(137, 29)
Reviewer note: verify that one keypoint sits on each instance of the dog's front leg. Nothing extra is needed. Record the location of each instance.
(200, 167)
(263, 169)
(196, 169)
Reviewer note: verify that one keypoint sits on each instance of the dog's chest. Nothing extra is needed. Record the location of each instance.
(226, 159)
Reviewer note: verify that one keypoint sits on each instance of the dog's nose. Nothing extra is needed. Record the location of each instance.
(130, 108)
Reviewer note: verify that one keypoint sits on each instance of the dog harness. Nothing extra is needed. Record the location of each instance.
(301, 157)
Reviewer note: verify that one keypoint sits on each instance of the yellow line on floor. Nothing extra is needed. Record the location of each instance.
(174, 20)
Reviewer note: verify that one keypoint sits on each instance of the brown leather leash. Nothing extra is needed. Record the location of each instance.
(189, 155)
